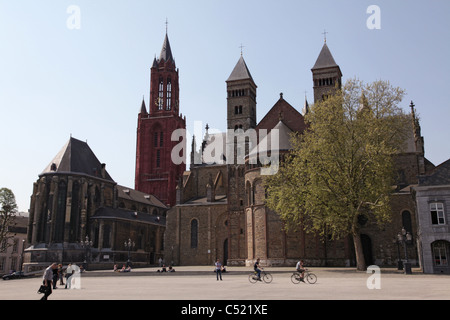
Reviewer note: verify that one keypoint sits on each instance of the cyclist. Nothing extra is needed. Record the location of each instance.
(257, 269)
(301, 269)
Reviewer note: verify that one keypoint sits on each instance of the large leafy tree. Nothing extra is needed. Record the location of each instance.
(342, 168)
(8, 210)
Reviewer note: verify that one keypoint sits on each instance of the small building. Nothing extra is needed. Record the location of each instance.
(432, 196)
(11, 251)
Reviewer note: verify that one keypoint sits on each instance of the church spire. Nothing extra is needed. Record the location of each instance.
(166, 52)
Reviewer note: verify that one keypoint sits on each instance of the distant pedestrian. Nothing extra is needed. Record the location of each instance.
(55, 277)
(60, 274)
(48, 279)
(218, 270)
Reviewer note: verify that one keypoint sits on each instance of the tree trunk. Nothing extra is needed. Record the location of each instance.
(360, 261)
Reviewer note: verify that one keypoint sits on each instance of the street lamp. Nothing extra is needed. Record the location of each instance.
(405, 238)
(129, 245)
(87, 244)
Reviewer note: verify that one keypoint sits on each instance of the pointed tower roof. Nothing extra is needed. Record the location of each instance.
(306, 107)
(76, 157)
(166, 52)
(143, 107)
(284, 140)
(240, 71)
(325, 59)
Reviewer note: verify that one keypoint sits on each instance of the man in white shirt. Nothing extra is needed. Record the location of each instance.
(300, 268)
(48, 280)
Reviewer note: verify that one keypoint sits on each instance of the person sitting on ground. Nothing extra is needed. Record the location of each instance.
(171, 269)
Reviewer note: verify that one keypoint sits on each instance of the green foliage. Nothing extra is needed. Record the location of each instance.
(8, 209)
(342, 167)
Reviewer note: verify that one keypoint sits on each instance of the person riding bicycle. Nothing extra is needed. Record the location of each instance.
(257, 269)
(301, 269)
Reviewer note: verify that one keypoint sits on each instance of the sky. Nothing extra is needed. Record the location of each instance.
(81, 68)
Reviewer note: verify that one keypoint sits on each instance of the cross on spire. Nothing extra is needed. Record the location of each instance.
(167, 25)
(324, 35)
(241, 46)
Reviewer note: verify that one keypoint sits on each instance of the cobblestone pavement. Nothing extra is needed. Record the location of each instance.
(199, 283)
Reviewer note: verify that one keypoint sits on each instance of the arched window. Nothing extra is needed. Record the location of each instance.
(169, 94)
(160, 101)
(194, 233)
(61, 211)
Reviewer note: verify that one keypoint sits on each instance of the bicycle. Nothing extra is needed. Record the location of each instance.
(265, 276)
(309, 276)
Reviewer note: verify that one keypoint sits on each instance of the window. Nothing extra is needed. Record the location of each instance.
(161, 139)
(155, 139)
(194, 233)
(437, 213)
(158, 158)
(169, 94)
(440, 253)
(160, 101)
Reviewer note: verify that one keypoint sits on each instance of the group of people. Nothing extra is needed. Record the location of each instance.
(164, 269)
(219, 268)
(55, 272)
(124, 268)
(300, 267)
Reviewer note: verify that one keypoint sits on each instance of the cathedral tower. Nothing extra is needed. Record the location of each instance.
(156, 171)
(241, 116)
(327, 75)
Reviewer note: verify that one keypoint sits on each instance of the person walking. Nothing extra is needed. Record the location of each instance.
(218, 270)
(48, 279)
(60, 274)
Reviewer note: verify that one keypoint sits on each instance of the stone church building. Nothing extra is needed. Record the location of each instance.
(216, 209)
(79, 214)
(220, 210)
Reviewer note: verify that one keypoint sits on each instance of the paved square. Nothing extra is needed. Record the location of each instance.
(199, 283)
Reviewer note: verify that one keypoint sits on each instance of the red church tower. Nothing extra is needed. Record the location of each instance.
(156, 173)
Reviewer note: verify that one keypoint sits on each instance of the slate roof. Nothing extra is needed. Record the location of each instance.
(76, 157)
(128, 215)
(291, 117)
(325, 59)
(284, 140)
(438, 176)
(138, 196)
(240, 71)
(166, 52)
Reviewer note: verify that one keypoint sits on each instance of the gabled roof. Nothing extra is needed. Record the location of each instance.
(438, 176)
(240, 71)
(282, 109)
(284, 140)
(76, 157)
(325, 59)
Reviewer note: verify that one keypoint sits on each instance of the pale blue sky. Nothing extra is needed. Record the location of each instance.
(55, 82)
